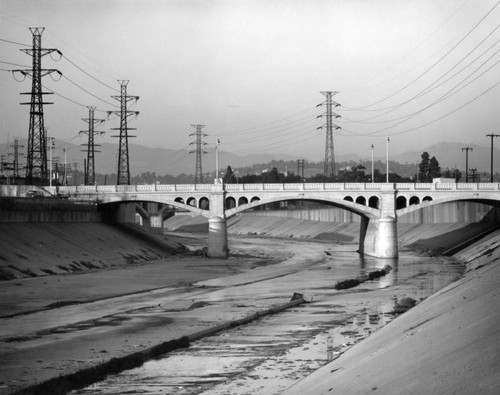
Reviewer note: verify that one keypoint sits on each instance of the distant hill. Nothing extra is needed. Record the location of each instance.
(164, 161)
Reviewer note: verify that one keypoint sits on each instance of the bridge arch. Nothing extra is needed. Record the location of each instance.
(242, 200)
(427, 201)
(400, 202)
(362, 210)
(414, 200)
(230, 202)
(374, 202)
(174, 203)
(361, 200)
(204, 203)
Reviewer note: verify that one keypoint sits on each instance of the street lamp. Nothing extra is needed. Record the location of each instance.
(492, 136)
(387, 161)
(372, 164)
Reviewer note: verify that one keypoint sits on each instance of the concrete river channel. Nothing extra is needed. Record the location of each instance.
(270, 354)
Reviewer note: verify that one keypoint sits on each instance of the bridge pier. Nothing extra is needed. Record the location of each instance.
(379, 237)
(217, 238)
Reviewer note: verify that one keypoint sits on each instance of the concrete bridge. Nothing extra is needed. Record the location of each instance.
(378, 204)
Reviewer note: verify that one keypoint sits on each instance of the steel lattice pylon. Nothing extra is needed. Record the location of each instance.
(123, 156)
(329, 167)
(90, 170)
(198, 175)
(36, 166)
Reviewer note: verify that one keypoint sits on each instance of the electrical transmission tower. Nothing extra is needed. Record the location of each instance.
(36, 167)
(123, 157)
(90, 169)
(300, 168)
(16, 154)
(199, 143)
(329, 169)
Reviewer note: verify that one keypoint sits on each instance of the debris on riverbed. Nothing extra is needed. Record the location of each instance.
(403, 305)
(354, 282)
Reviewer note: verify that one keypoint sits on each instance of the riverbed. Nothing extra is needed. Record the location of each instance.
(272, 353)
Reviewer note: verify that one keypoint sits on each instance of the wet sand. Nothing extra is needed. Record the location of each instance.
(124, 310)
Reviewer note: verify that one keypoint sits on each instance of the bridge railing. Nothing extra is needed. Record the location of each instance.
(12, 190)
(444, 186)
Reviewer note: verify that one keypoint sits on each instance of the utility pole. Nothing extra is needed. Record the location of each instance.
(65, 180)
(199, 143)
(329, 169)
(373, 173)
(16, 154)
(492, 136)
(90, 165)
(300, 168)
(36, 169)
(467, 149)
(123, 157)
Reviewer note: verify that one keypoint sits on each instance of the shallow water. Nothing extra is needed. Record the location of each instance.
(270, 354)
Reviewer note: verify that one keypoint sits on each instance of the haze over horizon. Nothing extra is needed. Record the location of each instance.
(418, 72)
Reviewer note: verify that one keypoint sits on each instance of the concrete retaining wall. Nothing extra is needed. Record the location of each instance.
(454, 212)
(46, 210)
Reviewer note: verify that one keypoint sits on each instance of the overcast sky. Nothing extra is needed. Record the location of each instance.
(418, 71)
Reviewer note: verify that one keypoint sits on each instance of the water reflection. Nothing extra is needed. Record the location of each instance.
(369, 264)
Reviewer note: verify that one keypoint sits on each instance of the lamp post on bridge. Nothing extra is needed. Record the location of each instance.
(387, 161)
(217, 142)
(491, 135)
(372, 166)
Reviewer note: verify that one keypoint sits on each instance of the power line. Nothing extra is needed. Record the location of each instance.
(13, 64)
(433, 85)
(14, 42)
(430, 122)
(88, 74)
(455, 89)
(435, 63)
(412, 51)
(86, 91)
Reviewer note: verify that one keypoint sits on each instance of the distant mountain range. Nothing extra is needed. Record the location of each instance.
(164, 161)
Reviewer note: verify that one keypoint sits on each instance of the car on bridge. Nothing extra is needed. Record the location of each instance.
(34, 194)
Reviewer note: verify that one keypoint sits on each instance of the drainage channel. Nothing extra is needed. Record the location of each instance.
(273, 352)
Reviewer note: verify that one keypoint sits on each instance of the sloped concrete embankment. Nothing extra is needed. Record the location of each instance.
(36, 249)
